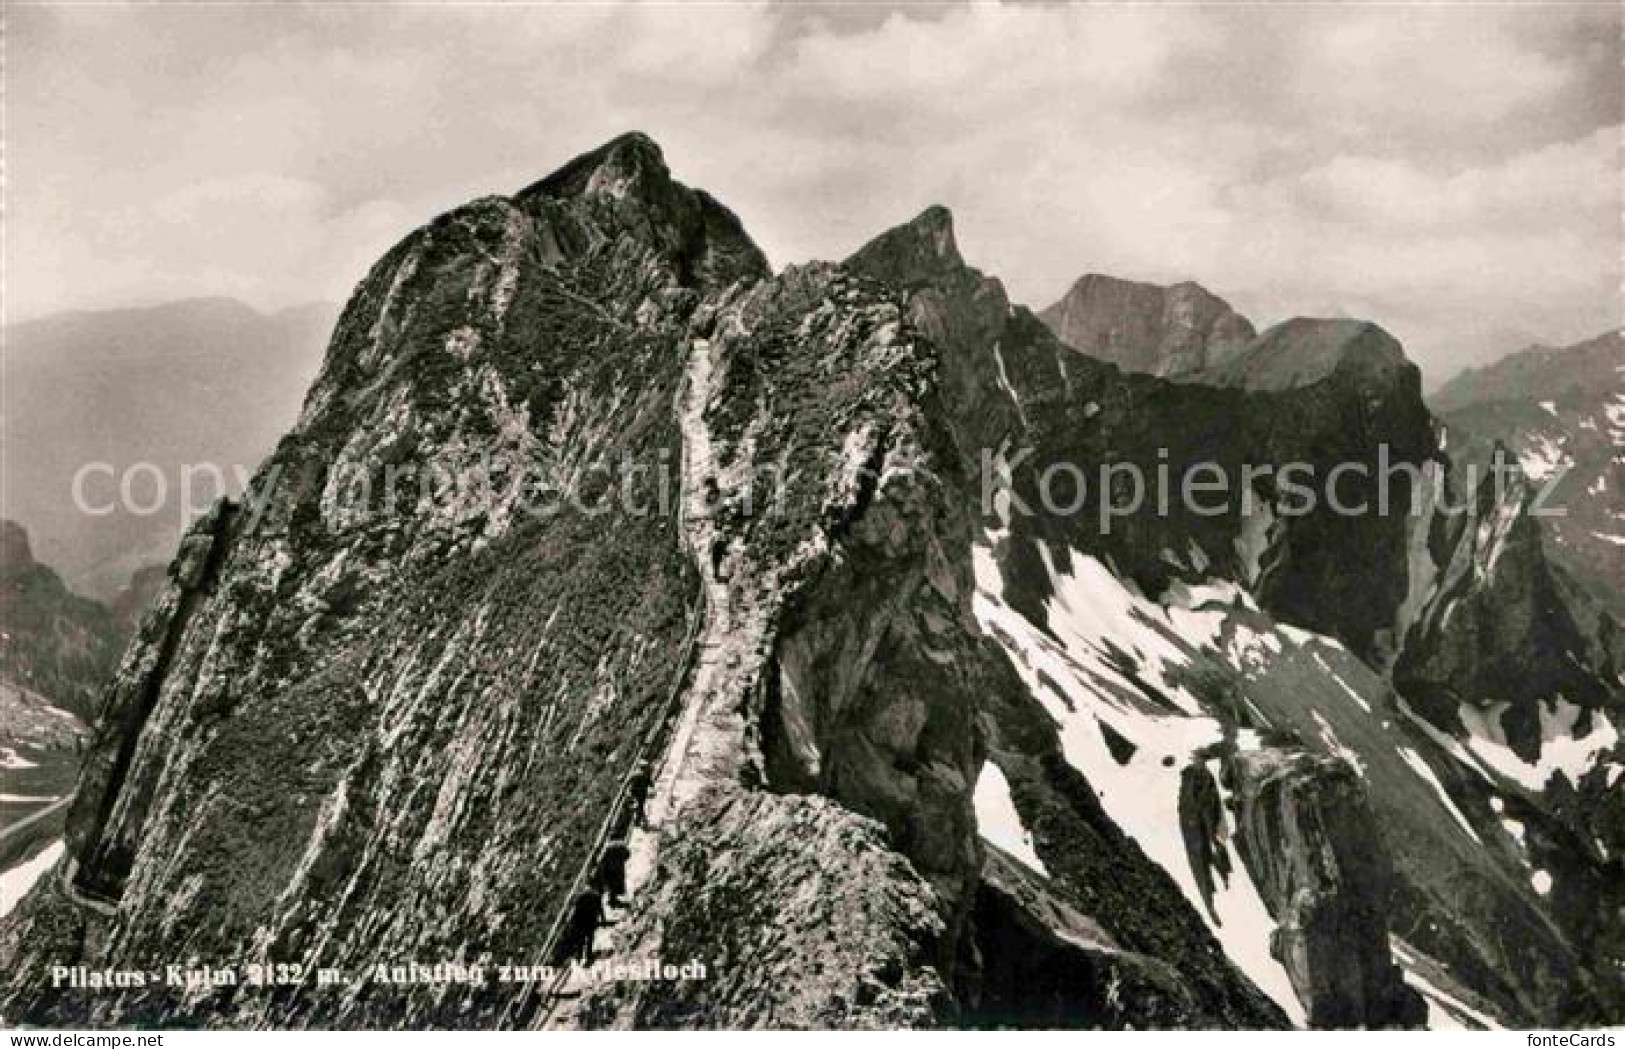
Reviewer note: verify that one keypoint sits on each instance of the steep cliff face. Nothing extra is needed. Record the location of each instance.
(456, 587)
(1519, 657)
(1517, 672)
(840, 658)
(1500, 629)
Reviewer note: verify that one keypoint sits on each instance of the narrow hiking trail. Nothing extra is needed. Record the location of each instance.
(704, 744)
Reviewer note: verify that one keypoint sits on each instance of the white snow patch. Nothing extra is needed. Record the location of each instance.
(1448, 744)
(1359, 700)
(1542, 457)
(998, 821)
(1004, 384)
(1414, 760)
(22, 799)
(1515, 828)
(1249, 650)
(1615, 410)
(1617, 540)
(1550, 407)
(16, 882)
(1446, 1012)
(1541, 881)
(10, 759)
(1560, 751)
(1333, 744)
(1092, 612)
(1302, 637)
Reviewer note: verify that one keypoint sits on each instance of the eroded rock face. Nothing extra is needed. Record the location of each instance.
(1306, 832)
(833, 551)
(1513, 659)
(362, 695)
(57, 651)
(1500, 633)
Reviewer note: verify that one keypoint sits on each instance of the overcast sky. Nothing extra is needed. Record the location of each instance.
(1451, 172)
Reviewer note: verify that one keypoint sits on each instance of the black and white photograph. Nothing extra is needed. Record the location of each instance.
(669, 516)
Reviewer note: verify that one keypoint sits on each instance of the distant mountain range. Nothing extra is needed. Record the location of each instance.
(1561, 412)
(196, 382)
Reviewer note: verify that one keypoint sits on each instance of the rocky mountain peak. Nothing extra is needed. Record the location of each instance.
(53, 643)
(627, 179)
(1305, 350)
(1577, 373)
(15, 553)
(624, 163)
(1172, 331)
(919, 251)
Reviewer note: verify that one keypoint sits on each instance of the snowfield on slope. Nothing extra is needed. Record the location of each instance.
(15, 883)
(1561, 751)
(1084, 686)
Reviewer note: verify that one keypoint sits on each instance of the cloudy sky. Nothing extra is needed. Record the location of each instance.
(1451, 171)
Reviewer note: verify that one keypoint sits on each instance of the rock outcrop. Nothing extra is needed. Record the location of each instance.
(55, 644)
(1305, 832)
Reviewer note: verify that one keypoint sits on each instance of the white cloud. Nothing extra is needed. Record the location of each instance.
(1449, 170)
